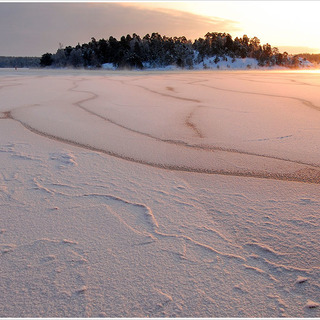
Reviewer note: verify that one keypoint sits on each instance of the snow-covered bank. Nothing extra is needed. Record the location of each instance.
(223, 63)
(84, 233)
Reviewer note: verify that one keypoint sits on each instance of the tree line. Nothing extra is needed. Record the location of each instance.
(19, 62)
(161, 51)
(134, 52)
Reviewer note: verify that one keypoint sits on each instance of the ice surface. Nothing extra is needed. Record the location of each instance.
(151, 194)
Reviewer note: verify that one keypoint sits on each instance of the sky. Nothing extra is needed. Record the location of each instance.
(32, 29)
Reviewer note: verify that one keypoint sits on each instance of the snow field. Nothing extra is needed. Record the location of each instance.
(87, 234)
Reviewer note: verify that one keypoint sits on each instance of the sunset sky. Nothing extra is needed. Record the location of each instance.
(31, 29)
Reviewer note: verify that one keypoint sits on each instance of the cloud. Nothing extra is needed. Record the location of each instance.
(34, 28)
(177, 23)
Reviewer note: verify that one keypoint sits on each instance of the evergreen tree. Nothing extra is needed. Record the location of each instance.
(46, 60)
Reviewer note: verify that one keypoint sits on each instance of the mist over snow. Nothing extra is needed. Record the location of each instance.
(159, 194)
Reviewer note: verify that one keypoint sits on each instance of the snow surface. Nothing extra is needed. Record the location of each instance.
(152, 194)
(223, 63)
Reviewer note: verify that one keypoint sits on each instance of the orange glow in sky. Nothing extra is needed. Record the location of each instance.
(280, 23)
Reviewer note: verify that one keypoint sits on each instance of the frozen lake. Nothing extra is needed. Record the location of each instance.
(151, 194)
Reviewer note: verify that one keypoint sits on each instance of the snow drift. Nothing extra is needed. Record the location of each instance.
(159, 194)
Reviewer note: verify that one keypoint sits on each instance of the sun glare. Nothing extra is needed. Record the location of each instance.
(311, 71)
